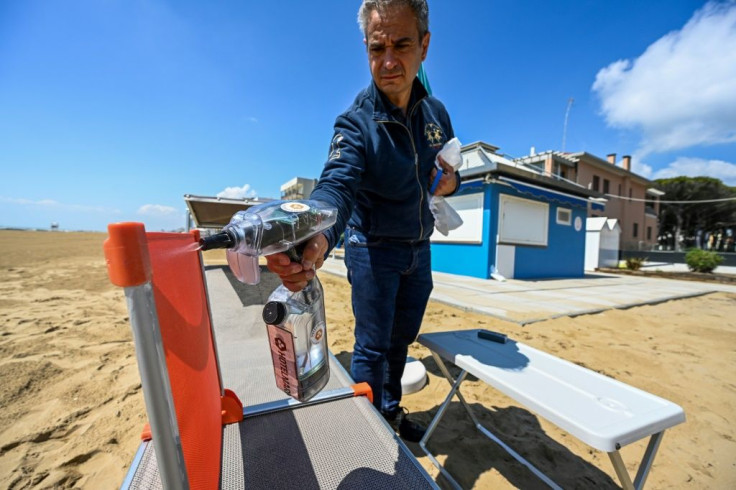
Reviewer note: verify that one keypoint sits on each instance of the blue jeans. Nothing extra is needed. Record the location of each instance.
(391, 282)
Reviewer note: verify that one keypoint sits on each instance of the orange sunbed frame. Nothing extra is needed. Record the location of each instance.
(187, 405)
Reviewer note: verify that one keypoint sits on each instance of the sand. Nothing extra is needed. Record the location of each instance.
(71, 406)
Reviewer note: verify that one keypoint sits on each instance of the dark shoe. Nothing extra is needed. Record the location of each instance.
(408, 430)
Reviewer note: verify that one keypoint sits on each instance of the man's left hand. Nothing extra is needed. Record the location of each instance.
(448, 181)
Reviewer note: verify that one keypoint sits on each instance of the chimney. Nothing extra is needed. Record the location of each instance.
(612, 158)
(627, 163)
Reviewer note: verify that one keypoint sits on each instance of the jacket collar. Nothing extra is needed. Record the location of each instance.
(384, 109)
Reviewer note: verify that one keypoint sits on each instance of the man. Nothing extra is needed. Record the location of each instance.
(379, 170)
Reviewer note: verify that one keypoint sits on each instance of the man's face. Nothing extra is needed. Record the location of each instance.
(395, 52)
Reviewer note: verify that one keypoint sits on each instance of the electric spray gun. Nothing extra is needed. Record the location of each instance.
(297, 332)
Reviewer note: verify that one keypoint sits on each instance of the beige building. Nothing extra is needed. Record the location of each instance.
(631, 198)
(298, 188)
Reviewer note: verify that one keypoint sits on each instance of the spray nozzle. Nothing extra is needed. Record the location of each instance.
(219, 240)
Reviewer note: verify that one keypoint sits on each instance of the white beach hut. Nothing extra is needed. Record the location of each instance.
(602, 238)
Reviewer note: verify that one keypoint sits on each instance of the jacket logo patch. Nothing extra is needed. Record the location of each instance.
(335, 151)
(434, 134)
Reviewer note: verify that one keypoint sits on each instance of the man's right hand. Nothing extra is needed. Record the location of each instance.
(294, 276)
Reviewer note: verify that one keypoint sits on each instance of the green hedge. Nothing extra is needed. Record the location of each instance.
(702, 260)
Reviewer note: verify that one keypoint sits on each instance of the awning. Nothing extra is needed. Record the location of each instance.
(215, 212)
(552, 195)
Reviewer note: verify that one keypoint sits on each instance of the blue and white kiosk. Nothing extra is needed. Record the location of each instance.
(517, 221)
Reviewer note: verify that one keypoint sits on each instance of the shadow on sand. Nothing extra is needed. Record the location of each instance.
(466, 453)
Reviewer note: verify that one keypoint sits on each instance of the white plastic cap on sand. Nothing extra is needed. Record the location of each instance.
(414, 378)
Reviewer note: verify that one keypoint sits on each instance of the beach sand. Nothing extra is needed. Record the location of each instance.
(71, 406)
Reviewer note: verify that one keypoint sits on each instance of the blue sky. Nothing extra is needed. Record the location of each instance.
(112, 110)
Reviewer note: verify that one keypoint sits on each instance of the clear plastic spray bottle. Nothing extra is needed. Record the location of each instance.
(297, 334)
(297, 330)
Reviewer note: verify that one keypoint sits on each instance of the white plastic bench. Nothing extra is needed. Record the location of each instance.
(600, 411)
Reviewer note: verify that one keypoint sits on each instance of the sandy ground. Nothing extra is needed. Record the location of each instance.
(71, 406)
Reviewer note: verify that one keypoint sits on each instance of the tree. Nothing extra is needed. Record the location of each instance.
(685, 218)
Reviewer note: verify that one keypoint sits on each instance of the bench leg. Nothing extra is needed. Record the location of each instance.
(433, 425)
(644, 466)
(455, 390)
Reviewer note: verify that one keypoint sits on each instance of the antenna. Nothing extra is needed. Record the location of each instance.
(567, 115)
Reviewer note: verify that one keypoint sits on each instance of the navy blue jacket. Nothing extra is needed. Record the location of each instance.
(378, 170)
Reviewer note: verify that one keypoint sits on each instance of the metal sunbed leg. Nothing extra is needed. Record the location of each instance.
(644, 466)
(455, 390)
(149, 350)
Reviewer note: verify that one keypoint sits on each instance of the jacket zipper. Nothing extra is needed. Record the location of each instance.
(416, 162)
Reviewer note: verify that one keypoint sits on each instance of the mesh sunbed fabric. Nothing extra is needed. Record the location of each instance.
(340, 444)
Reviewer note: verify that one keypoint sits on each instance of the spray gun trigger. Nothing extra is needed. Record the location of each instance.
(296, 253)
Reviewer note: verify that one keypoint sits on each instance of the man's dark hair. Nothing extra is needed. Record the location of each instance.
(419, 7)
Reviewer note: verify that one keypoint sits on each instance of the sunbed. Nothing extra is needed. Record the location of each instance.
(201, 434)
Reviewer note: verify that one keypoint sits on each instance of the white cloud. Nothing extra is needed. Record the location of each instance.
(238, 192)
(641, 168)
(156, 210)
(699, 167)
(681, 92)
(28, 202)
(52, 204)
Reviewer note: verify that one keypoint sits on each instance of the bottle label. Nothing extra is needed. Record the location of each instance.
(318, 331)
(294, 207)
(284, 360)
